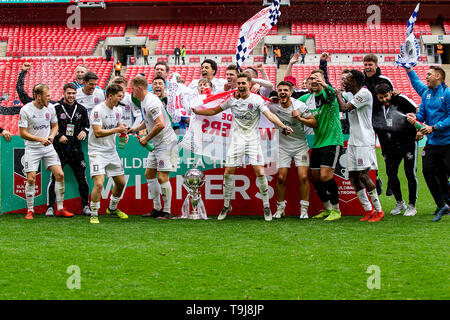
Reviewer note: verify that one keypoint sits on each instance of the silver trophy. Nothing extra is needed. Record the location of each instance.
(194, 180)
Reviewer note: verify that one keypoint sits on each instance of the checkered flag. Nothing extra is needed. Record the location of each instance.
(410, 50)
(412, 21)
(256, 28)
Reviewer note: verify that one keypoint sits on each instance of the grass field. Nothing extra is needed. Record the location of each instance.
(239, 258)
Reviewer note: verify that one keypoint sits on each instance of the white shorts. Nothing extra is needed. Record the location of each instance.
(300, 156)
(32, 158)
(164, 157)
(251, 151)
(105, 164)
(361, 158)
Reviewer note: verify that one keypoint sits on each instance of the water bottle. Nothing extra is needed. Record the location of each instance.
(122, 140)
(149, 146)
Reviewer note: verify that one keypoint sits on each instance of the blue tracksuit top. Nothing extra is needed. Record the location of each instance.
(434, 109)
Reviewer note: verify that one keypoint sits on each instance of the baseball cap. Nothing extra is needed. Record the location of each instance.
(291, 79)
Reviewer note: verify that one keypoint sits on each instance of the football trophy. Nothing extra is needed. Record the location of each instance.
(194, 180)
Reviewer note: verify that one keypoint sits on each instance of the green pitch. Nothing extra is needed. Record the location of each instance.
(239, 258)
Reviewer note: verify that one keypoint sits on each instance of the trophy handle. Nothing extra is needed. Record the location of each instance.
(185, 209)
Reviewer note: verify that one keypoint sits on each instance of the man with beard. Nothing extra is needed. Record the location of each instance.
(73, 126)
(296, 115)
(434, 112)
(373, 77)
(400, 144)
(328, 141)
(246, 108)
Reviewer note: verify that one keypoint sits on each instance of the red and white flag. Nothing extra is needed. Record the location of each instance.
(210, 136)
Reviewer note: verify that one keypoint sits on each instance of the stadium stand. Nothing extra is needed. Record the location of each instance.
(199, 38)
(48, 70)
(447, 26)
(357, 37)
(44, 70)
(55, 39)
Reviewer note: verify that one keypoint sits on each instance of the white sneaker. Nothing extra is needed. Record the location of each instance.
(280, 210)
(267, 214)
(399, 207)
(87, 211)
(304, 214)
(50, 212)
(223, 213)
(410, 211)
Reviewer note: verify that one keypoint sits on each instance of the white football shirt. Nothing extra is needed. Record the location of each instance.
(38, 123)
(360, 118)
(246, 116)
(107, 118)
(297, 139)
(152, 108)
(89, 102)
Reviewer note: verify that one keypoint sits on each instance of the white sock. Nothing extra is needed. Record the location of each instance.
(335, 207)
(365, 202)
(227, 189)
(304, 205)
(327, 205)
(113, 201)
(166, 191)
(95, 206)
(59, 192)
(154, 190)
(281, 204)
(261, 182)
(375, 201)
(29, 193)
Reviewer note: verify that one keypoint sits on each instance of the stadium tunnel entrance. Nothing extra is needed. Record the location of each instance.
(287, 51)
(126, 53)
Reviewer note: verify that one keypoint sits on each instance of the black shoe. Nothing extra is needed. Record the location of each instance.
(379, 185)
(153, 214)
(164, 215)
(439, 212)
(444, 212)
(388, 192)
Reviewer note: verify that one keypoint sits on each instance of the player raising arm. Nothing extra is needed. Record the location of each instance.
(246, 108)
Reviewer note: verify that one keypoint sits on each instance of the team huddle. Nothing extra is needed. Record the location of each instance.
(53, 131)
